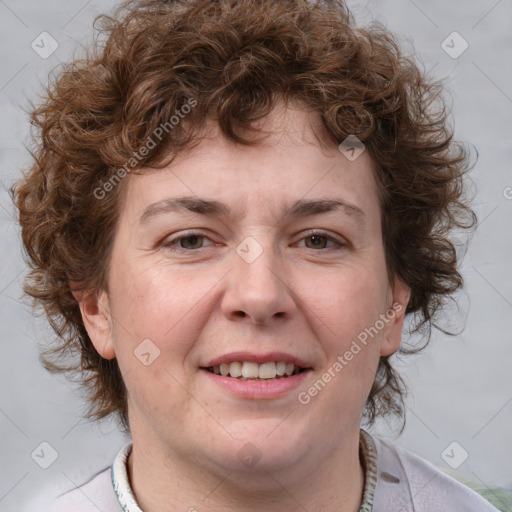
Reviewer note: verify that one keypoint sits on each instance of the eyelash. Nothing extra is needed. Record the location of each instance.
(172, 244)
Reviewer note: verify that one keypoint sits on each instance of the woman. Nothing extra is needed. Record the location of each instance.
(232, 208)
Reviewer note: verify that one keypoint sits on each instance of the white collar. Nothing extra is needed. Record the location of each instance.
(121, 482)
(123, 489)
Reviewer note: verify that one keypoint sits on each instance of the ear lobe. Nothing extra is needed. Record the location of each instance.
(97, 321)
(395, 316)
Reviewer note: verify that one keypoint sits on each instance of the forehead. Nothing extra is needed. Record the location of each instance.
(289, 165)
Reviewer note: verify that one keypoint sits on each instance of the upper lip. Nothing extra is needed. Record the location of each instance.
(257, 358)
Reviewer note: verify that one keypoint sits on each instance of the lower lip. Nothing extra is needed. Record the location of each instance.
(258, 389)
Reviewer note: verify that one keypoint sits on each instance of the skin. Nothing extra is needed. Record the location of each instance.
(302, 296)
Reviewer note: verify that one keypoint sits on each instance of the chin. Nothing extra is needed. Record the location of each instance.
(268, 444)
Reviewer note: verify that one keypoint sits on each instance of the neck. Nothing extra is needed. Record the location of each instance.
(164, 481)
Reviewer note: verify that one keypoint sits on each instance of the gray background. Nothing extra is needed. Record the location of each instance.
(461, 388)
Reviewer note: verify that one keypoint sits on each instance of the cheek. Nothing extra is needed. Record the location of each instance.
(160, 302)
(345, 302)
(145, 297)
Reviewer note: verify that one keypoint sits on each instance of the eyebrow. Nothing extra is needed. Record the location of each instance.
(300, 208)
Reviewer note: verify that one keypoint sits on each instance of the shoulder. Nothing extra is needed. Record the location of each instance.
(410, 483)
(95, 494)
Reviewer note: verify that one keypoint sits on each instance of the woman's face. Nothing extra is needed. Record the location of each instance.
(264, 260)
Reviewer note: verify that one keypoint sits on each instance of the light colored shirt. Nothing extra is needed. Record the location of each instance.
(395, 480)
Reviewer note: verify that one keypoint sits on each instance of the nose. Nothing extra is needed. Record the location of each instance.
(258, 291)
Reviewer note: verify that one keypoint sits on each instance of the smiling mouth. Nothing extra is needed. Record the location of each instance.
(249, 370)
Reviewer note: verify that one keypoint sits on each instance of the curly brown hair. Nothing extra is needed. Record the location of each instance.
(236, 60)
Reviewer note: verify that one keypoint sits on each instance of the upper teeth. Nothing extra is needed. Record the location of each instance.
(252, 370)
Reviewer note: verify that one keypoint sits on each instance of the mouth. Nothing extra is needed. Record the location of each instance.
(253, 371)
(251, 376)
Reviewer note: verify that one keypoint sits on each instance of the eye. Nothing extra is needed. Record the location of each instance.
(319, 240)
(187, 242)
(193, 241)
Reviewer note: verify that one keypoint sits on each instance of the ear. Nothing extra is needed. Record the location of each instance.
(97, 321)
(395, 316)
